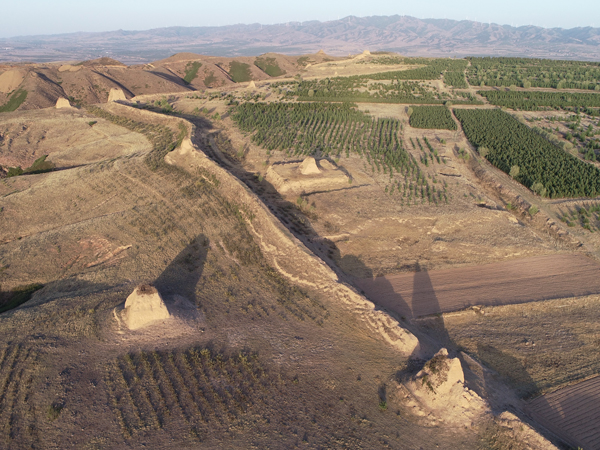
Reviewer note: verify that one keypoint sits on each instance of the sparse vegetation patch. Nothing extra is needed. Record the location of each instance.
(191, 71)
(14, 101)
(199, 387)
(239, 72)
(269, 66)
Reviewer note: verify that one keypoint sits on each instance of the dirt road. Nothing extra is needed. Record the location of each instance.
(515, 281)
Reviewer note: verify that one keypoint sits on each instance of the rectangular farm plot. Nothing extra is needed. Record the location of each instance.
(431, 117)
(503, 283)
(572, 413)
(532, 160)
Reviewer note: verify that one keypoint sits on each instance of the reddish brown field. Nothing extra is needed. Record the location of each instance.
(573, 413)
(508, 282)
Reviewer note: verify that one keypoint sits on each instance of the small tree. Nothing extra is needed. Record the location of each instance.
(483, 151)
(409, 111)
(539, 189)
(514, 171)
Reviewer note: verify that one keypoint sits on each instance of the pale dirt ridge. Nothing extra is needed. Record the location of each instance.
(69, 68)
(291, 258)
(306, 177)
(522, 432)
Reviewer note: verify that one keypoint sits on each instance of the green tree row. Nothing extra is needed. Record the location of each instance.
(540, 165)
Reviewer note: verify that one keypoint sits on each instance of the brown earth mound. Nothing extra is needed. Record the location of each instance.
(517, 281)
(143, 307)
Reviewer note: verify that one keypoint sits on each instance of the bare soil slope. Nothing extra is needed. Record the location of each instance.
(264, 362)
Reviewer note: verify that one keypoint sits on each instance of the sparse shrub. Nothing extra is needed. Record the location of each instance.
(533, 210)
(40, 165)
(539, 189)
(54, 411)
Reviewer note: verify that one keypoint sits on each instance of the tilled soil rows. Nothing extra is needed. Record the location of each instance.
(508, 282)
(573, 413)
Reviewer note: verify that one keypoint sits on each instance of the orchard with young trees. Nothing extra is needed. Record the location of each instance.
(336, 129)
(528, 73)
(536, 100)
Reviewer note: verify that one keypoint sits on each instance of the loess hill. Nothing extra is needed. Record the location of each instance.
(319, 228)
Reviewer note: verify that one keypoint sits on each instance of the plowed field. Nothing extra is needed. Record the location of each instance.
(508, 282)
(573, 413)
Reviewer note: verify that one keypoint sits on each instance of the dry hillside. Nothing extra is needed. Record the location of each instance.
(169, 280)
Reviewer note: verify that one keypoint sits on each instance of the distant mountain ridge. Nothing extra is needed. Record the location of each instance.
(403, 34)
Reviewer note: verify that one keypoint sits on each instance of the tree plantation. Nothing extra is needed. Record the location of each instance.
(436, 117)
(527, 73)
(543, 167)
(536, 100)
(336, 129)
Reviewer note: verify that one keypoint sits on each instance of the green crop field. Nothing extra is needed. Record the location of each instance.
(14, 101)
(240, 72)
(191, 71)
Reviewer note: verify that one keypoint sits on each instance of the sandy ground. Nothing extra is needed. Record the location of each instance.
(573, 413)
(515, 281)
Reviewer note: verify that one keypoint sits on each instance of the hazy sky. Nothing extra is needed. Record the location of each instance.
(29, 17)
